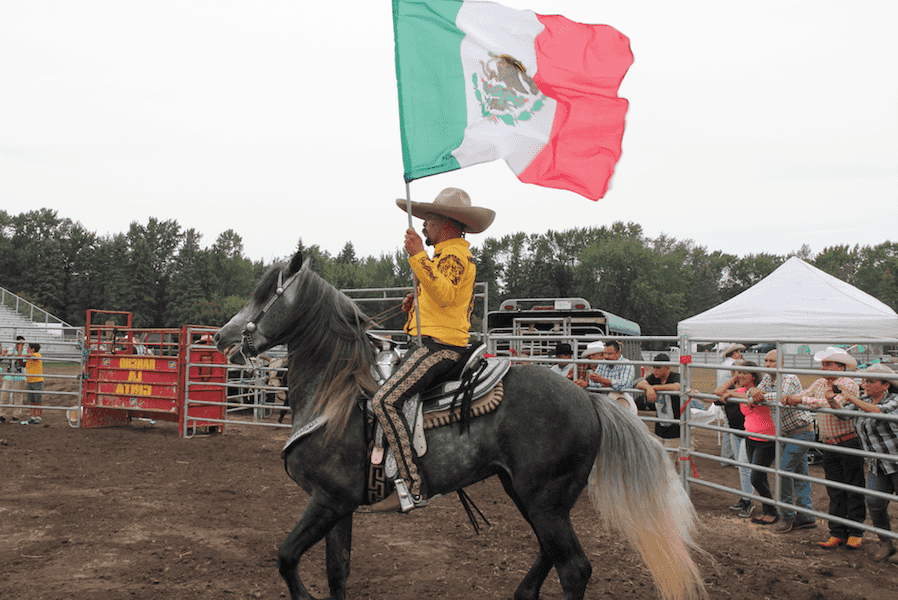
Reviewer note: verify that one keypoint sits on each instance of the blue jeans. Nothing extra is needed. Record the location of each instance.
(744, 472)
(879, 508)
(728, 443)
(796, 491)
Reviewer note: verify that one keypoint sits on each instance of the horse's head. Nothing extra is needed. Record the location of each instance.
(264, 321)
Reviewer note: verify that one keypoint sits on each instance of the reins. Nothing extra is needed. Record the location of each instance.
(387, 314)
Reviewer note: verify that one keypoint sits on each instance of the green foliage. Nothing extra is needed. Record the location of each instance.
(744, 272)
(166, 278)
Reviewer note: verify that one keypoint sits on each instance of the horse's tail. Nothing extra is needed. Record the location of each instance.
(636, 490)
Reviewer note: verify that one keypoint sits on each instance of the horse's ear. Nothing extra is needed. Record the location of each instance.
(296, 262)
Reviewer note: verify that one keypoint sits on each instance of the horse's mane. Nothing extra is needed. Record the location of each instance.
(330, 357)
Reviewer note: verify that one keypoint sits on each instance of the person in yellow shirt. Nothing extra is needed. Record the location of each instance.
(445, 302)
(34, 382)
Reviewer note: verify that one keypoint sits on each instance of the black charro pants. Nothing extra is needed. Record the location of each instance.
(420, 367)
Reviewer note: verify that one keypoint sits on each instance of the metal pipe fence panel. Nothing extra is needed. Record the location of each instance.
(691, 364)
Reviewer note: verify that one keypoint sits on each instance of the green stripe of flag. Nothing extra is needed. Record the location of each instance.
(431, 85)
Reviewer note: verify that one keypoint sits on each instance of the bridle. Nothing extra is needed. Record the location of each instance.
(250, 326)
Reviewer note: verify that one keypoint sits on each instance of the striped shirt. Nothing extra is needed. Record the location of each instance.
(831, 426)
(793, 418)
(878, 435)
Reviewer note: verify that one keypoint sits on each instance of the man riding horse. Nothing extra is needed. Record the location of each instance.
(445, 301)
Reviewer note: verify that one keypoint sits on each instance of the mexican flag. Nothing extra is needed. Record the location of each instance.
(479, 81)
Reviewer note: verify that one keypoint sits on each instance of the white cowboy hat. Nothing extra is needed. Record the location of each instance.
(593, 348)
(727, 350)
(455, 204)
(836, 355)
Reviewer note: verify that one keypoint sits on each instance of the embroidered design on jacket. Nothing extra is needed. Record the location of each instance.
(452, 268)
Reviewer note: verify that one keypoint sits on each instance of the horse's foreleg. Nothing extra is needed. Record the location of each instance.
(317, 521)
(339, 547)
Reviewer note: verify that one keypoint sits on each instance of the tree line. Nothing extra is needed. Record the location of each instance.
(165, 276)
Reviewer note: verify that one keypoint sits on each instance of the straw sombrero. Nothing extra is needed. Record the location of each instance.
(730, 349)
(888, 375)
(455, 204)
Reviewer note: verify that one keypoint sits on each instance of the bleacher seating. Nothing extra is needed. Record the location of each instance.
(56, 337)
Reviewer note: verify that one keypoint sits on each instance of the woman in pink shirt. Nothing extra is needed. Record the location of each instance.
(760, 451)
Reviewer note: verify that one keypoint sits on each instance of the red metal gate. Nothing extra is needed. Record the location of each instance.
(142, 373)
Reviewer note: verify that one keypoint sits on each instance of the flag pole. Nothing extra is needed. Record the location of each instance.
(408, 210)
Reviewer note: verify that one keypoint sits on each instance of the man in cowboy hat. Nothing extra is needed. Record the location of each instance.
(837, 433)
(445, 302)
(615, 376)
(879, 436)
(564, 351)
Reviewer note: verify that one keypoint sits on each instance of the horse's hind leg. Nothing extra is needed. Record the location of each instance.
(530, 586)
(317, 521)
(558, 541)
(558, 547)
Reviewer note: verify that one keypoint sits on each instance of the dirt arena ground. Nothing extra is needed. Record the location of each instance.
(137, 512)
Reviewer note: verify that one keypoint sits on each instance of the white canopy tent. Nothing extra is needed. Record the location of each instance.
(796, 302)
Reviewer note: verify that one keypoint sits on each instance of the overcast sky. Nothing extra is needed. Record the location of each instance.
(754, 125)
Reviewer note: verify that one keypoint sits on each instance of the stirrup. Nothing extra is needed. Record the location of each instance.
(408, 502)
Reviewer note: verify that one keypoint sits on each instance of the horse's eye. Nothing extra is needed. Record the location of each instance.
(250, 327)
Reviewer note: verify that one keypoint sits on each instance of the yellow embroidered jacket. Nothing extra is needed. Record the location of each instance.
(445, 292)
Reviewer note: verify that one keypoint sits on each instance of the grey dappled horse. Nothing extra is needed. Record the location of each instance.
(541, 441)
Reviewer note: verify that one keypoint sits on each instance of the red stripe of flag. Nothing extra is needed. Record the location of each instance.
(581, 67)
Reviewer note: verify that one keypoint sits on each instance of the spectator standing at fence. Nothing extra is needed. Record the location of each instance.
(667, 406)
(880, 436)
(761, 451)
(34, 382)
(837, 433)
(14, 379)
(797, 424)
(2, 369)
(736, 421)
(729, 444)
(614, 376)
(593, 350)
(564, 351)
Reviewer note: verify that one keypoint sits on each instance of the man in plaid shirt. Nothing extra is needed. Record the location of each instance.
(843, 468)
(616, 377)
(799, 425)
(880, 436)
